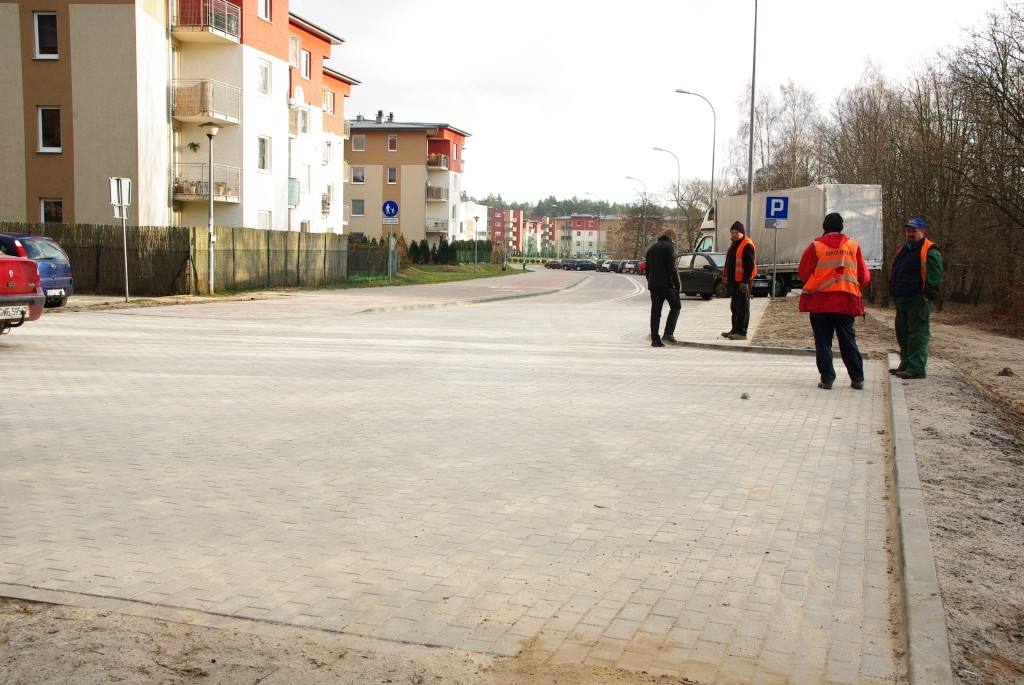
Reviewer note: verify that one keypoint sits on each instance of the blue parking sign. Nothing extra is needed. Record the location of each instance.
(776, 211)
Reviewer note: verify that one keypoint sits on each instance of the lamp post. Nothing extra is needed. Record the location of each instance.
(678, 181)
(714, 126)
(211, 130)
(476, 223)
(750, 153)
(645, 206)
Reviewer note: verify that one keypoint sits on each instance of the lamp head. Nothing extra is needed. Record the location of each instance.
(210, 128)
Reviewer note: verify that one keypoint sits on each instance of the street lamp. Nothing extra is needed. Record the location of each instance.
(476, 223)
(714, 126)
(645, 205)
(211, 130)
(678, 181)
(750, 153)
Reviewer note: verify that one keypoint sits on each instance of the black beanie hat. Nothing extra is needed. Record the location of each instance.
(833, 223)
(737, 226)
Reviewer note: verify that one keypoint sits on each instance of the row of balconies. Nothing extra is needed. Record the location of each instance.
(191, 183)
(206, 20)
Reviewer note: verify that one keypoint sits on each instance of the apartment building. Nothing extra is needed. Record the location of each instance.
(141, 90)
(579, 235)
(506, 229)
(414, 164)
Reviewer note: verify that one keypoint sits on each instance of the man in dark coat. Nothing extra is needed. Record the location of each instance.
(914, 284)
(663, 282)
(740, 269)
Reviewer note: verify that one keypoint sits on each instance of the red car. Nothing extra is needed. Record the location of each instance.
(642, 268)
(21, 295)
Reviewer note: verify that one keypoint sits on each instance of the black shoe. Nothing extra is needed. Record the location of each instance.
(908, 375)
(737, 336)
(896, 370)
(657, 343)
(670, 339)
(726, 334)
(857, 385)
(825, 386)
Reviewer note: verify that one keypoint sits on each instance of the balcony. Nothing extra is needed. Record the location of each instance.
(205, 100)
(206, 21)
(437, 226)
(191, 183)
(437, 161)
(437, 194)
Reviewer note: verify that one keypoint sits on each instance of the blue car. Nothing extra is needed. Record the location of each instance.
(54, 266)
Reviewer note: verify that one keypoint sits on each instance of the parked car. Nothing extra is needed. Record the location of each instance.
(53, 265)
(642, 267)
(761, 286)
(585, 265)
(553, 264)
(568, 264)
(605, 265)
(631, 266)
(21, 296)
(700, 273)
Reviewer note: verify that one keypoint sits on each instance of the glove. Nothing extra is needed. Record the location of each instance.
(745, 289)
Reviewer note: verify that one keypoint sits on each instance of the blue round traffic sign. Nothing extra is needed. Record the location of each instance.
(390, 208)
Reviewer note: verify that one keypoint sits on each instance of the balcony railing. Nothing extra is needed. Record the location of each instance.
(437, 193)
(210, 17)
(437, 226)
(191, 182)
(437, 161)
(204, 99)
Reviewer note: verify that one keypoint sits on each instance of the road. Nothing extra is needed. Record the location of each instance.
(523, 475)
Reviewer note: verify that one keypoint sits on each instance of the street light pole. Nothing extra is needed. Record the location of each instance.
(476, 223)
(714, 127)
(211, 130)
(678, 181)
(750, 153)
(645, 205)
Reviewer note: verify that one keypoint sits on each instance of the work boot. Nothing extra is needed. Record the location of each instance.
(670, 339)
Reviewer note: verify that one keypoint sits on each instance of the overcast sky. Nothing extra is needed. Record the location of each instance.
(566, 97)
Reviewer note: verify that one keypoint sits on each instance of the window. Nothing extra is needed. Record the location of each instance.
(358, 174)
(358, 207)
(49, 129)
(328, 105)
(325, 153)
(263, 153)
(307, 60)
(302, 125)
(263, 9)
(392, 143)
(51, 211)
(263, 220)
(46, 35)
(294, 50)
(392, 175)
(263, 78)
(359, 143)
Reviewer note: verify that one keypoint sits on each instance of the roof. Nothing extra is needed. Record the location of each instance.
(341, 77)
(368, 124)
(315, 30)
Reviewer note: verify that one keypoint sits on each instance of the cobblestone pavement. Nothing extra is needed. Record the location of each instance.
(525, 473)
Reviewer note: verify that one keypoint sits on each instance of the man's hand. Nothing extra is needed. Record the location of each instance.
(745, 289)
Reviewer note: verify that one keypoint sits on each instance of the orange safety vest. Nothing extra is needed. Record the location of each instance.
(836, 270)
(740, 246)
(925, 245)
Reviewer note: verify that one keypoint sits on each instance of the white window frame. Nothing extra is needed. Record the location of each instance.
(328, 100)
(307, 64)
(39, 122)
(358, 175)
(263, 78)
(359, 143)
(392, 175)
(263, 164)
(302, 120)
(294, 50)
(361, 205)
(392, 142)
(43, 201)
(36, 16)
(263, 9)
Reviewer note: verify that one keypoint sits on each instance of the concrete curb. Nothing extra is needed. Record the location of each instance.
(928, 658)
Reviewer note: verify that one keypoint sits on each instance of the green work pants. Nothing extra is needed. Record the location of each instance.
(913, 331)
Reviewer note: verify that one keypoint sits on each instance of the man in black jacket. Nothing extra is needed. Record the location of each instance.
(663, 282)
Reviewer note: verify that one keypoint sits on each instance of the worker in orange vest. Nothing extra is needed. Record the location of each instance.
(914, 281)
(740, 269)
(834, 273)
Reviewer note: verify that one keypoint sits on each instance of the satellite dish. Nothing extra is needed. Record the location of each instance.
(297, 94)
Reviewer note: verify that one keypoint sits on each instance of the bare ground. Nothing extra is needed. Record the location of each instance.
(968, 423)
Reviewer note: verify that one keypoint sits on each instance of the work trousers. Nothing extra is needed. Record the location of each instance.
(740, 307)
(824, 327)
(913, 331)
(660, 295)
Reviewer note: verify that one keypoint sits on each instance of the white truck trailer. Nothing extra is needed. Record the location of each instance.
(796, 214)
